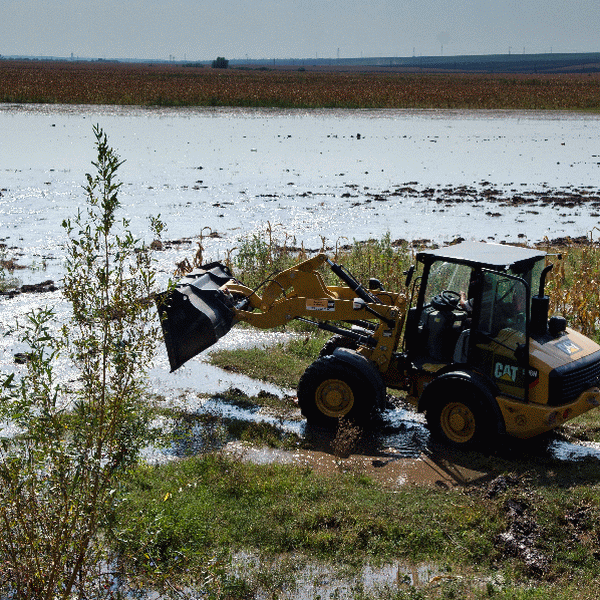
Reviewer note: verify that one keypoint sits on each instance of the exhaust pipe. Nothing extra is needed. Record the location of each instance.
(540, 307)
(196, 313)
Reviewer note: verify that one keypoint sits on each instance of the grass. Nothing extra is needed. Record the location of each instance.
(176, 86)
(282, 365)
(181, 515)
(280, 508)
(8, 281)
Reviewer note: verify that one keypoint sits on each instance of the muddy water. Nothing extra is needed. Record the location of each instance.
(397, 452)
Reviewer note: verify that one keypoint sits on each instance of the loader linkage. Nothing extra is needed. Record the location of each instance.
(207, 302)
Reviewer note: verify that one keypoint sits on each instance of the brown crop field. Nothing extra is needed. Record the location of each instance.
(176, 85)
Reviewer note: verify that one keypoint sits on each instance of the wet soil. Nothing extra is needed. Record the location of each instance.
(31, 288)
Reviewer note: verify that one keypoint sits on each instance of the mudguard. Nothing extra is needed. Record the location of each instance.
(196, 313)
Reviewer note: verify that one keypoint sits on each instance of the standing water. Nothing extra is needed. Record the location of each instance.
(321, 175)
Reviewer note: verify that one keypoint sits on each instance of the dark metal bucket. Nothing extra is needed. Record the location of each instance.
(196, 313)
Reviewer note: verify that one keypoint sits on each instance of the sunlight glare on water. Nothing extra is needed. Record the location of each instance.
(328, 174)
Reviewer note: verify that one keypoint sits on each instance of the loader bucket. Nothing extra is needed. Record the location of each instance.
(196, 313)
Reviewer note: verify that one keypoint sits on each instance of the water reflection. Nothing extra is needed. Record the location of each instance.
(398, 450)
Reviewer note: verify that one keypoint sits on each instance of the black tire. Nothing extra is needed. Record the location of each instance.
(335, 342)
(331, 389)
(460, 419)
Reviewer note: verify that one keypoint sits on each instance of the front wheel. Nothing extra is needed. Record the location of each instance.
(338, 341)
(460, 420)
(331, 389)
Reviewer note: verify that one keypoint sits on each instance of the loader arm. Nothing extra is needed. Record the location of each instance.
(296, 293)
(300, 292)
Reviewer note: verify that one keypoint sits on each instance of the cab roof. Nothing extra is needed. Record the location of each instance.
(488, 256)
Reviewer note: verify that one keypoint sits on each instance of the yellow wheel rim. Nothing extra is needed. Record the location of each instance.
(458, 422)
(334, 398)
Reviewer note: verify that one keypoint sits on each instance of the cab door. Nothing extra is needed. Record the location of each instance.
(499, 332)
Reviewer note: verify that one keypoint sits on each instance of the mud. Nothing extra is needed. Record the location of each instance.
(387, 467)
(522, 537)
(31, 288)
(397, 452)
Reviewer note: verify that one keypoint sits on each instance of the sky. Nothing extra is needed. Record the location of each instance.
(259, 29)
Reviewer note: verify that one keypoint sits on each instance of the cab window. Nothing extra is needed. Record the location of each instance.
(447, 276)
(503, 305)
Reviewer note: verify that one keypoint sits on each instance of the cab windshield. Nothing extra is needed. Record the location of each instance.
(445, 276)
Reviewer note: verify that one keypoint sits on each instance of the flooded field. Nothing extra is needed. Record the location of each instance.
(319, 177)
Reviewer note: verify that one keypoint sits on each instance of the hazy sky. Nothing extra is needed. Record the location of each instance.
(203, 29)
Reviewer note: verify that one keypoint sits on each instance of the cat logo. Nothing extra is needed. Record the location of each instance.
(506, 372)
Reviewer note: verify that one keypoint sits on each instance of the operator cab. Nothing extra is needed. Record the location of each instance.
(473, 311)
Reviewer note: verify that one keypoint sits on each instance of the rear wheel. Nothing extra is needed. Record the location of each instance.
(331, 389)
(460, 419)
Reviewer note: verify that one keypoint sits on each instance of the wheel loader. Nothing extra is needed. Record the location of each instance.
(469, 340)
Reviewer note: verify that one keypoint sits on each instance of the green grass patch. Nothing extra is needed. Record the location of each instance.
(202, 505)
(281, 365)
(176, 518)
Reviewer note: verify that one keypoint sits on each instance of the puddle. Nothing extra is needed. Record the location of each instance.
(396, 455)
(570, 452)
(232, 171)
(314, 580)
(298, 577)
(207, 430)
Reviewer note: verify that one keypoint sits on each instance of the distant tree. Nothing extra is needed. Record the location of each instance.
(220, 63)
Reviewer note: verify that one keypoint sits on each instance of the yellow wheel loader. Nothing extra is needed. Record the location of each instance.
(469, 340)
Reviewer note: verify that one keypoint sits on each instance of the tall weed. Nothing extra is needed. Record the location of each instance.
(574, 287)
(59, 473)
(261, 254)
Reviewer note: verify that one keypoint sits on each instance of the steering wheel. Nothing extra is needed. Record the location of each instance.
(447, 300)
